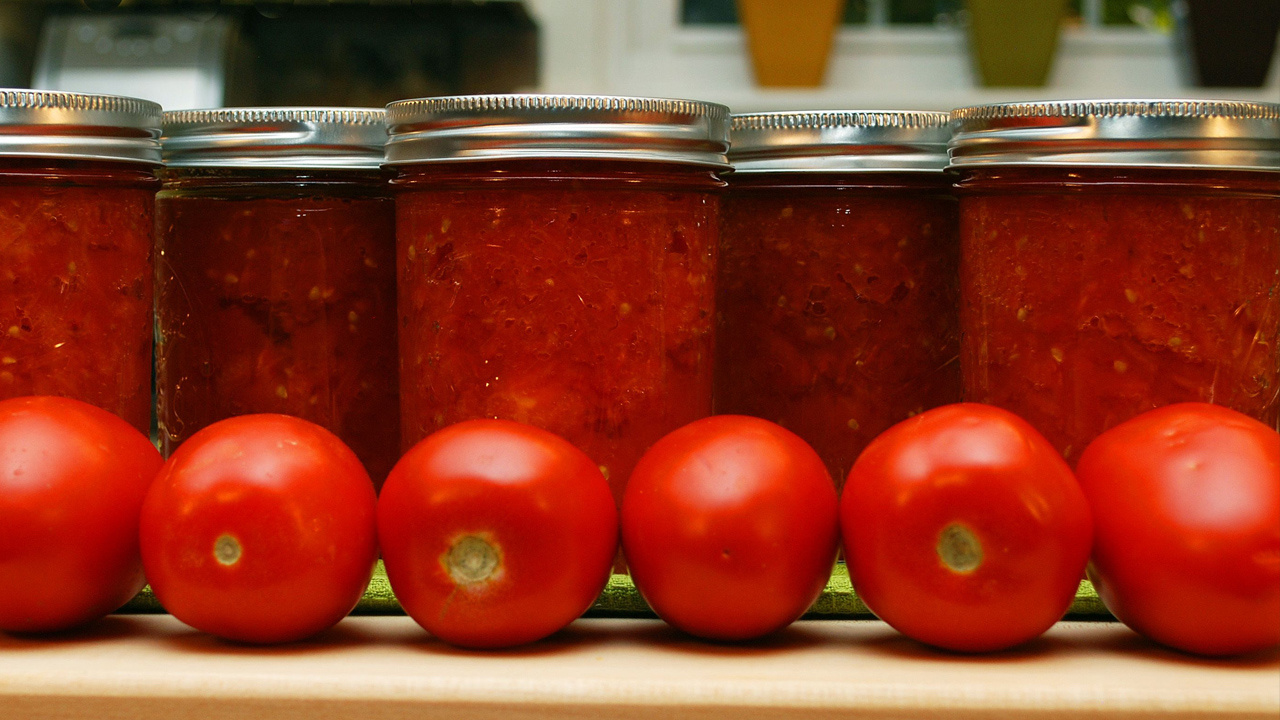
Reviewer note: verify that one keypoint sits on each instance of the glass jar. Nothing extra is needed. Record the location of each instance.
(77, 190)
(276, 280)
(1117, 257)
(837, 293)
(557, 259)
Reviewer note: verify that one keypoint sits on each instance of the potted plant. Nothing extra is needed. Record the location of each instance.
(1013, 41)
(1227, 44)
(789, 41)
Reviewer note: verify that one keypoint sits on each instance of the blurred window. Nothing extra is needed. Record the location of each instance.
(1152, 14)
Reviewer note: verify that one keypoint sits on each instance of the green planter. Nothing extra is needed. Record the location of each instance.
(1013, 41)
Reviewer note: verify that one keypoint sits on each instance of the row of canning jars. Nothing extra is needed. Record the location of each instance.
(577, 263)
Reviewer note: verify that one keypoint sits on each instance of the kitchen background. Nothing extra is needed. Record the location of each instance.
(909, 54)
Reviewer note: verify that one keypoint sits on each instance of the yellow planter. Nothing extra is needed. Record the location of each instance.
(789, 40)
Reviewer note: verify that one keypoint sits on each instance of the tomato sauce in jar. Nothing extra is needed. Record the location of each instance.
(562, 276)
(837, 292)
(77, 191)
(1128, 259)
(276, 275)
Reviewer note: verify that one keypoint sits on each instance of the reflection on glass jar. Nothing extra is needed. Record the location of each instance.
(572, 294)
(77, 189)
(838, 297)
(1092, 294)
(276, 287)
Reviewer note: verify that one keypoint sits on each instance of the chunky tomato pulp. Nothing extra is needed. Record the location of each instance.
(277, 294)
(1091, 296)
(838, 304)
(76, 292)
(570, 295)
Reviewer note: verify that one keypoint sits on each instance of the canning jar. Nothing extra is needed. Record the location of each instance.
(557, 261)
(1119, 256)
(837, 293)
(276, 274)
(77, 191)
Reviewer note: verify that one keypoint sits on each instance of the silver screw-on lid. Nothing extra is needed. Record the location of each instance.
(1128, 133)
(284, 138)
(75, 126)
(863, 141)
(593, 127)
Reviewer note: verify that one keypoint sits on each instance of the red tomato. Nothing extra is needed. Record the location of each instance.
(260, 529)
(72, 479)
(1186, 506)
(496, 533)
(965, 529)
(729, 527)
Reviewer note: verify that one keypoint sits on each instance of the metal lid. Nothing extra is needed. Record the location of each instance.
(75, 126)
(506, 127)
(866, 141)
(1129, 133)
(315, 138)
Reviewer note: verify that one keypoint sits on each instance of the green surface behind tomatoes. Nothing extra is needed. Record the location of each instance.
(620, 599)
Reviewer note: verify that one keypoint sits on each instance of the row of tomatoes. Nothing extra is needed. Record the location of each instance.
(962, 527)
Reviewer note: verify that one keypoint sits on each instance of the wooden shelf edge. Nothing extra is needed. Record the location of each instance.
(386, 667)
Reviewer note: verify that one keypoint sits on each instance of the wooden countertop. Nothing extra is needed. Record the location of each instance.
(386, 667)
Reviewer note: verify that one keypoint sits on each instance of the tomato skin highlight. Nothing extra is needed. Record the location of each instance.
(730, 527)
(72, 481)
(260, 529)
(1186, 501)
(496, 534)
(964, 529)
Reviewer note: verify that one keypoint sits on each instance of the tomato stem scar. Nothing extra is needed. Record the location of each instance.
(959, 549)
(471, 559)
(226, 549)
